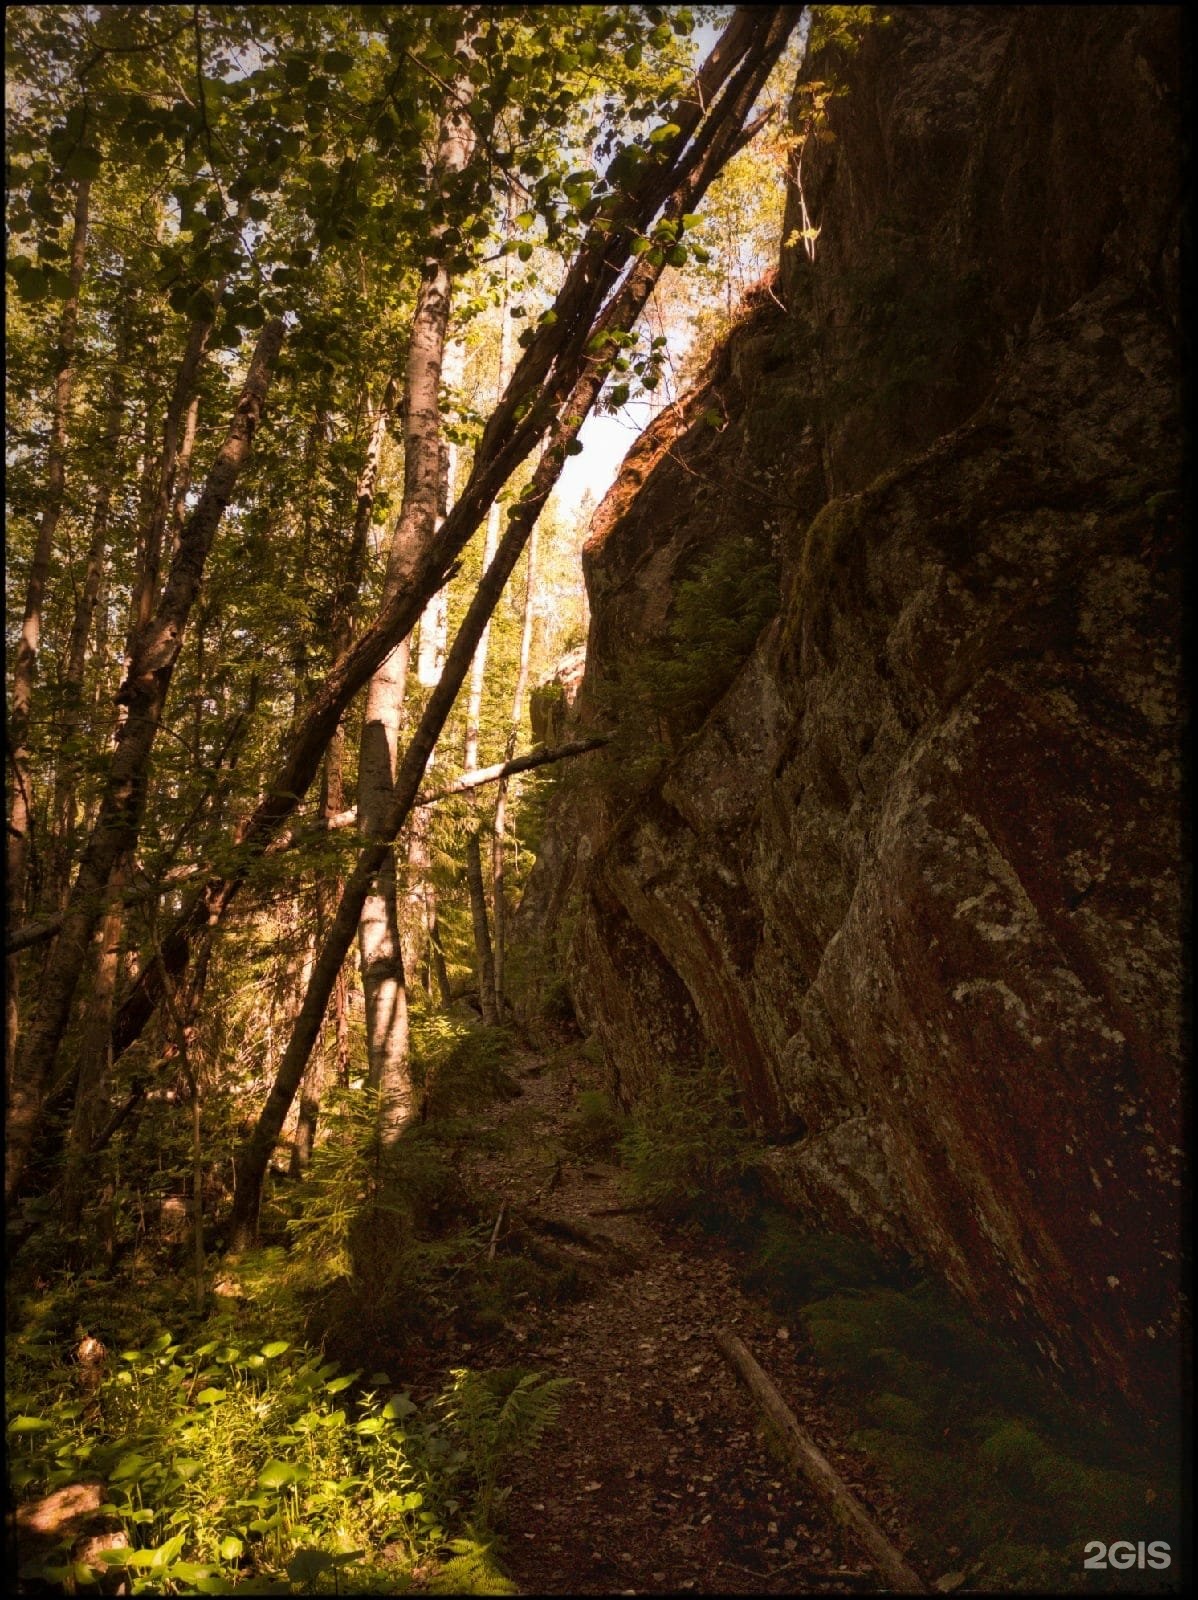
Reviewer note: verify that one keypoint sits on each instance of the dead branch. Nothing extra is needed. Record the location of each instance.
(808, 1459)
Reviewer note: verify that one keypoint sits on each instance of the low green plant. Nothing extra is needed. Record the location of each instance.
(686, 1150)
(793, 1263)
(595, 1125)
(459, 1068)
(556, 1004)
(498, 1415)
(233, 1459)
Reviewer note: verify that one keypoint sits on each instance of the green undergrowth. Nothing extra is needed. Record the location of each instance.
(661, 694)
(991, 1460)
(595, 1125)
(237, 1463)
(686, 1150)
(261, 1444)
(391, 1250)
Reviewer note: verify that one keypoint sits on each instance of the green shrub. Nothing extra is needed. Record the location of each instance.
(459, 1068)
(662, 693)
(686, 1149)
(498, 1415)
(556, 1004)
(793, 1264)
(595, 1124)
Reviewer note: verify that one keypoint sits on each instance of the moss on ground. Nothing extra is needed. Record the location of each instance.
(990, 1459)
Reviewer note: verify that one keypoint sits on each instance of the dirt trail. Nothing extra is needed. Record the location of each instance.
(656, 1477)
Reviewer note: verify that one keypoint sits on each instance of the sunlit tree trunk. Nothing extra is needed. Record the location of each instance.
(20, 809)
(499, 892)
(381, 956)
(419, 922)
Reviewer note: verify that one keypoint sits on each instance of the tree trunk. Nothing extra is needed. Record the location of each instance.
(378, 928)
(94, 1059)
(499, 891)
(20, 810)
(484, 964)
(714, 108)
(182, 406)
(67, 770)
(421, 910)
(310, 1095)
(122, 802)
(438, 972)
(383, 979)
(807, 1458)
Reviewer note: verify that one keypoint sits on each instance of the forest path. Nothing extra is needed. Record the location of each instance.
(656, 1477)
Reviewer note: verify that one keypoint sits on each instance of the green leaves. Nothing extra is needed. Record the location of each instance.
(84, 162)
(278, 1474)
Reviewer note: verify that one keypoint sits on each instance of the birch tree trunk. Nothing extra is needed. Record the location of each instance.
(383, 979)
(122, 801)
(20, 809)
(420, 919)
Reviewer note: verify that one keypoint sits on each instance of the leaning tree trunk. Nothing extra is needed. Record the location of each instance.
(122, 802)
(710, 121)
(20, 809)
(172, 467)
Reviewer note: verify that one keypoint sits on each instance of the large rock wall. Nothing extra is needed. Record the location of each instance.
(917, 878)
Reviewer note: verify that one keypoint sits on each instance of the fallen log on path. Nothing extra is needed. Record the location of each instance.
(808, 1459)
(579, 1232)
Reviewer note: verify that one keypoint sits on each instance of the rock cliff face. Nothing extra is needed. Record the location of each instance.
(916, 877)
